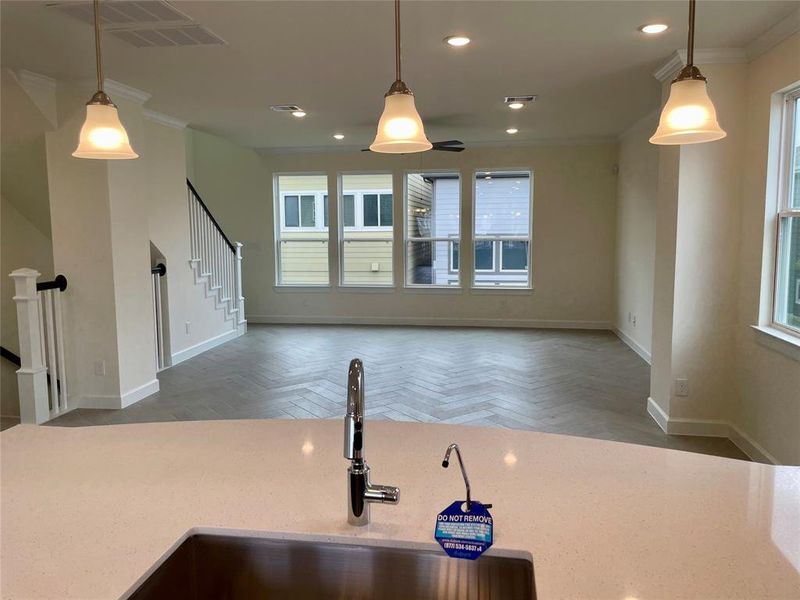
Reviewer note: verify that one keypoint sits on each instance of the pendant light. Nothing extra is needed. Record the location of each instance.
(102, 135)
(400, 129)
(689, 116)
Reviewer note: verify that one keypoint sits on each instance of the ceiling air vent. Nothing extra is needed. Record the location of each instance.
(143, 23)
(285, 107)
(116, 13)
(510, 99)
(181, 35)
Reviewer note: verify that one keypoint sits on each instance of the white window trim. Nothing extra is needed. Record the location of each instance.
(528, 253)
(452, 262)
(450, 239)
(359, 206)
(784, 208)
(319, 208)
(527, 285)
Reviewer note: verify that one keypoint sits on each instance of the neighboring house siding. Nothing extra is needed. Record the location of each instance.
(420, 206)
(446, 224)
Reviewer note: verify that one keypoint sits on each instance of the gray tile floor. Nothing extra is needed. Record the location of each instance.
(585, 383)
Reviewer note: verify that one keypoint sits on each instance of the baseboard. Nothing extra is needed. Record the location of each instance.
(633, 345)
(192, 351)
(427, 322)
(710, 428)
(130, 397)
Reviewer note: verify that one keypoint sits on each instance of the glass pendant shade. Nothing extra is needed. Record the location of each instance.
(400, 129)
(689, 116)
(103, 136)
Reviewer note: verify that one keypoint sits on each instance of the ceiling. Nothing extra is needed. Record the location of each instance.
(587, 62)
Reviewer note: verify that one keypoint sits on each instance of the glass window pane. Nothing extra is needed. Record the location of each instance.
(291, 211)
(301, 244)
(484, 255)
(432, 207)
(386, 210)
(515, 256)
(370, 210)
(349, 209)
(502, 210)
(454, 249)
(307, 216)
(325, 210)
(366, 249)
(787, 292)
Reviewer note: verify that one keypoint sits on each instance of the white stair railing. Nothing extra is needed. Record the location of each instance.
(41, 346)
(216, 259)
(156, 273)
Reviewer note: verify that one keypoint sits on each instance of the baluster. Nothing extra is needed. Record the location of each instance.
(238, 283)
(62, 371)
(47, 298)
(192, 226)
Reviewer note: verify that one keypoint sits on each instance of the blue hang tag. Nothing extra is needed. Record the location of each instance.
(464, 534)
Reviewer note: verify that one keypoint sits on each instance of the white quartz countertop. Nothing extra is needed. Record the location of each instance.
(87, 511)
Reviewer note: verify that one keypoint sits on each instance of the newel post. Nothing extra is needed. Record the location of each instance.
(32, 374)
(238, 291)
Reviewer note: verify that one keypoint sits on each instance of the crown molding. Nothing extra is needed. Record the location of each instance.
(702, 56)
(774, 35)
(163, 119)
(115, 89)
(31, 79)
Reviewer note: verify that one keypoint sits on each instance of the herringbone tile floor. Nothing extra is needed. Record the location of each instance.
(585, 383)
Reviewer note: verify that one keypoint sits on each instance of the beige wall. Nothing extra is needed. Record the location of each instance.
(23, 245)
(637, 190)
(573, 238)
(768, 381)
(168, 223)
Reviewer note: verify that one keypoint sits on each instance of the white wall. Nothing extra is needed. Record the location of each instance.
(573, 236)
(637, 191)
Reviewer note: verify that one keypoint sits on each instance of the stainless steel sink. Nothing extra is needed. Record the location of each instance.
(230, 567)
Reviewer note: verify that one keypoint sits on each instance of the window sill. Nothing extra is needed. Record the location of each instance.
(433, 289)
(516, 290)
(780, 341)
(366, 289)
(298, 288)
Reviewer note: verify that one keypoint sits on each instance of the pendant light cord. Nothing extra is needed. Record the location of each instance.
(396, 39)
(690, 43)
(97, 45)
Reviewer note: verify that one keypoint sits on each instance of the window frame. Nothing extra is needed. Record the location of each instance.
(279, 220)
(451, 239)
(358, 208)
(319, 208)
(499, 239)
(527, 255)
(790, 105)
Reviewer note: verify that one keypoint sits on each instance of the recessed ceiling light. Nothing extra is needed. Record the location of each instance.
(457, 40)
(512, 130)
(338, 136)
(515, 105)
(299, 113)
(653, 28)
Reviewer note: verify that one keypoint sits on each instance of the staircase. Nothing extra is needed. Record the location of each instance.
(215, 260)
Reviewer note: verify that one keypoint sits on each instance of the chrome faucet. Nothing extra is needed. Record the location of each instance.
(360, 492)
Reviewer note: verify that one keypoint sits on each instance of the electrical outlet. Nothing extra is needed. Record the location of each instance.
(681, 387)
(188, 327)
(100, 368)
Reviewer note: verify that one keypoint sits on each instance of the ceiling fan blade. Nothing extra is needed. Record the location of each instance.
(449, 148)
(366, 150)
(448, 143)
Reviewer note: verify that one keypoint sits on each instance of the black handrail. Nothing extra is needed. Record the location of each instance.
(210, 216)
(10, 356)
(160, 269)
(59, 283)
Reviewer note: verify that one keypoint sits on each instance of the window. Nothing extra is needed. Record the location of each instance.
(503, 203)
(301, 237)
(433, 206)
(367, 233)
(787, 271)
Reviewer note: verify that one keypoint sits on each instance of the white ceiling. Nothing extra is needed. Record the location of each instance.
(587, 62)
